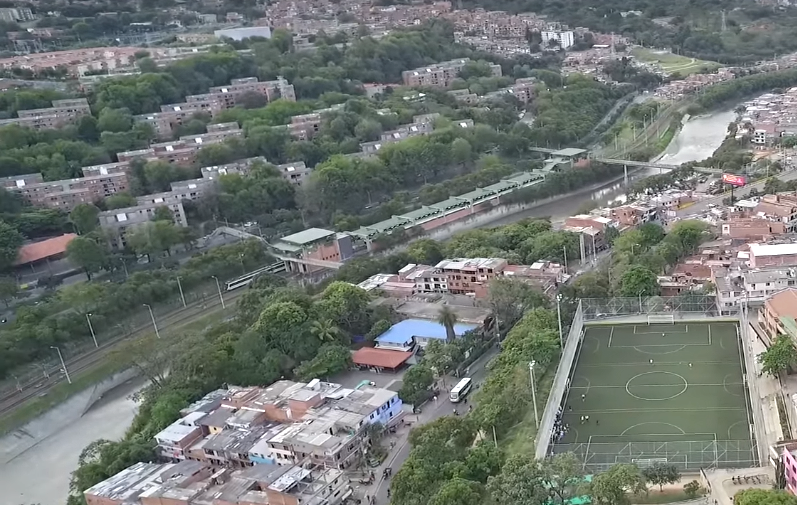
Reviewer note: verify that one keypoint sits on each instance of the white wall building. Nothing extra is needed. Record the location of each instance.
(564, 39)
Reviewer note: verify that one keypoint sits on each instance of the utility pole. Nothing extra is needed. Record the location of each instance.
(218, 286)
(152, 316)
(182, 296)
(559, 319)
(91, 329)
(534, 393)
(63, 365)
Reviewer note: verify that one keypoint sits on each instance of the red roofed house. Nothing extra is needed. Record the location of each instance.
(380, 359)
(45, 250)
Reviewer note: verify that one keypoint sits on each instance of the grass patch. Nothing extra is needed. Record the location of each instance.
(673, 63)
(520, 438)
(90, 376)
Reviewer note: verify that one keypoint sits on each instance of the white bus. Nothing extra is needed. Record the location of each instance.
(460, 390)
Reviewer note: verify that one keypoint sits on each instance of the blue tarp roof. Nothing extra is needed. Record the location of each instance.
(402, 332)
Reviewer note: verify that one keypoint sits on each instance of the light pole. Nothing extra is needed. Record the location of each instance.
(152, 316)
(534, 393)
(559, 319)
(63, 365)
(243, 268)
(182, 296)
(91, 329)
(218, 286)
(19, 386)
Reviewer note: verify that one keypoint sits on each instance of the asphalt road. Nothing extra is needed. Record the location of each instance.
(429, 412)
(702, 206)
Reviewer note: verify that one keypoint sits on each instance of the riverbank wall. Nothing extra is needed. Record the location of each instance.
(40, 429)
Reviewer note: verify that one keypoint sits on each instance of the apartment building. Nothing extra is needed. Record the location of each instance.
(120, 167)
(16, 14)
(563, 39)
(241, 167)
(18, 181)
(183, 151)
(214, 101)
(198, 483)
(773, 255)
(752, 228)
(118, 221)
(781, 208)
(174, 115)
(522, 89)
(591, 231)
(295, 172)
(305, 126)
(62, 113)
(440, 75)
(779, 313)
(67, 194)
(634, 214)
(193, 189)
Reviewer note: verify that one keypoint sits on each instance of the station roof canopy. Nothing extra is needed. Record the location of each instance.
(569, 152)
(308, 236)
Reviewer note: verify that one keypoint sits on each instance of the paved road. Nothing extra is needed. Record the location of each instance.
(430, 412)
(702, 206)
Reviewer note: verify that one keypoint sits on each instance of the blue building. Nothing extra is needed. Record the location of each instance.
(405, 335)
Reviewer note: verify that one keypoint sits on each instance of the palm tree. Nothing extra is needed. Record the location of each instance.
(448, 318)
(325, 330)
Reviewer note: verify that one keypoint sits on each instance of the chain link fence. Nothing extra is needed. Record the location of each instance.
(681, 307)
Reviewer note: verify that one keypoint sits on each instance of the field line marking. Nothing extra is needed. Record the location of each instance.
(611, 334)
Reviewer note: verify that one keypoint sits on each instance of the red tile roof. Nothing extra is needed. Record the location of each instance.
(381, 358)
(39, 250)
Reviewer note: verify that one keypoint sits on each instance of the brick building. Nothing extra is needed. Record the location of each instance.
(62, 113)
(440, 75)
(67, 194)
(118, 221)
(184, 150)
(773, 255)
(752, 228)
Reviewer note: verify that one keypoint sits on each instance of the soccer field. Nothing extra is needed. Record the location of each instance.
(671, 393)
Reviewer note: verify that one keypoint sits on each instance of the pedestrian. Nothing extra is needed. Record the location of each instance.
(583, 397)
(388, 492)
(586, 418)
(663, 334)
(569, 408)
(597, 423)
(690, 365)
(651, 362)
(435, 398)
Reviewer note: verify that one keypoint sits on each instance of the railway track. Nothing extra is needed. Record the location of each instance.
(40, 387)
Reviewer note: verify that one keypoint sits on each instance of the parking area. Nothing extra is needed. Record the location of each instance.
(353, 378)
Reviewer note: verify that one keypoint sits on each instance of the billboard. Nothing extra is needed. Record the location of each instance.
(733, 179)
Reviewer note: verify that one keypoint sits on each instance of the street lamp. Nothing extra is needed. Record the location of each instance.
(243, 268)
(152, 316)
(63, 365)
(182, 296)
(91, 329)
(559, 319)
(218, 286)
(534, 393)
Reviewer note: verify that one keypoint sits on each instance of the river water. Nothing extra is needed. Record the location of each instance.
(697, 140)
(41, 475)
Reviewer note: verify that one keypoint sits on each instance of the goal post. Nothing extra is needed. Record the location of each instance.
(661, 319)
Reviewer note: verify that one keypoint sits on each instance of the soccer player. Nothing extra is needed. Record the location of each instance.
(651, 362)
(583, 397)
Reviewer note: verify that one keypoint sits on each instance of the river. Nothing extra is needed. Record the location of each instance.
(697, 140)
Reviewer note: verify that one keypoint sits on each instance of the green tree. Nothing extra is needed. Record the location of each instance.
(511, 298)
(9, 290)
(84, 217)
(347, 306)
(565, 476)
(780, 356)
(651, 233)
(522, 480)
(457, 492)
(325, 330)
(115, 120)
(426, 251)
(617, 484)
(163, 213)
(86, 253)
(764, 497)
(330, 359)
(691, 489)
(120, 201)
(461, 151)
(448, 318)
(415, 384)
(639, 281)
(660, 474)
(10, 242)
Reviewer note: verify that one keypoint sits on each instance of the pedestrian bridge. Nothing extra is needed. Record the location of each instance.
(573, 154)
